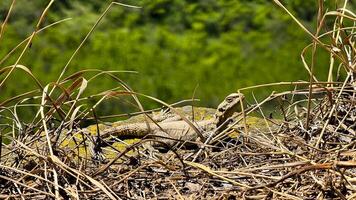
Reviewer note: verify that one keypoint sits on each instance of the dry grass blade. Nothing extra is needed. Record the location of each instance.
(28, 38)
(213, 173)
(28, 43)
(89, 33)
(3, 24)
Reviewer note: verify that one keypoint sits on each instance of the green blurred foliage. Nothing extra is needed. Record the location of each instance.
(174, 45)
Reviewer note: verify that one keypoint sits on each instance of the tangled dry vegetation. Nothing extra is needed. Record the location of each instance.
(307, 152)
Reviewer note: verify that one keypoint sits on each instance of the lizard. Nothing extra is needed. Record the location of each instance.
(178, 130)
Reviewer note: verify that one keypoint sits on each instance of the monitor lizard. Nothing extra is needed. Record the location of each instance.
(178, 130)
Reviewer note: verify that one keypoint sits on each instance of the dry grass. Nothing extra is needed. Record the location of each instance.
(309, 154)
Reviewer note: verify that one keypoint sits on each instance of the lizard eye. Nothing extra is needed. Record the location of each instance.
(229, 99)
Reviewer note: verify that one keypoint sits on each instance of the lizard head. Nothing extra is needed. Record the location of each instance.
(228, 107)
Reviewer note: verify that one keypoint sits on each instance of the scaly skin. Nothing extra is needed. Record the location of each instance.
(178, 130)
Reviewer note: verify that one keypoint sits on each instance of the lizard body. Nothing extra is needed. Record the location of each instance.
(177, 130)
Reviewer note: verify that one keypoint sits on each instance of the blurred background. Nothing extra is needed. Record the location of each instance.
(175, 46)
